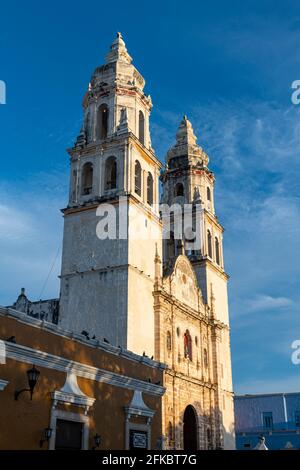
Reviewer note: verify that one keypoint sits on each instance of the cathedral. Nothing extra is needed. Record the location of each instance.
(143, 286)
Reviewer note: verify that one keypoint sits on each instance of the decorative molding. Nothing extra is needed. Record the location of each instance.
(71, 393)
(207, 384)
(97, 344)
(43, 359)
(137, 407)
(3, 384)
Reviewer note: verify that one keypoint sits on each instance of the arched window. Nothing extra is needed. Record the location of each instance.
(205, 358)
(209, 245)
(217, 249)
(169, 341)
(87, 178)
(102, 121)
(141, 128)
(111, 173)
(179, 190)
(150, 188)
(208, 193)
(187, 340)
(138, 178)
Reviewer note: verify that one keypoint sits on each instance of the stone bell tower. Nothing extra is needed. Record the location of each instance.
(107, 279)
(187, 180)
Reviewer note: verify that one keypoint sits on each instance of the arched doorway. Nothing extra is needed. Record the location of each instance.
(189, 429)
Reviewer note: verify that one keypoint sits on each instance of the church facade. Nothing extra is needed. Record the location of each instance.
(135, 280)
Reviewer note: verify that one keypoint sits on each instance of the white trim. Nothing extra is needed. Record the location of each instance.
(68, 416)
(40, 358)
(3, 384)
(94, 343)
(137, 407)
(71, 393)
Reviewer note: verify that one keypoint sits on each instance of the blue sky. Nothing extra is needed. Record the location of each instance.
(227, 65)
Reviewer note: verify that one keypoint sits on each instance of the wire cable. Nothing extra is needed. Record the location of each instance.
(49, 274)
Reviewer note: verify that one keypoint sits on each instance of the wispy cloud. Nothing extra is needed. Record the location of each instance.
(30, 234)
(267, 302)
(14, 224)
(254, 150)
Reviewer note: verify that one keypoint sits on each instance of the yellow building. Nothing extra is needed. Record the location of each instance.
(84, 389)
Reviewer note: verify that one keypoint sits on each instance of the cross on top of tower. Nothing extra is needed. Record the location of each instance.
(118, 51)
(185, 133)
(186, 145)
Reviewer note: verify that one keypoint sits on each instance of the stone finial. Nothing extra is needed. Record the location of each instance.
(118, 51)
(185, 133)
(22, 302)
(197, 196)
(186, 144)
(157, 257)
(123, 126)
(81, 138)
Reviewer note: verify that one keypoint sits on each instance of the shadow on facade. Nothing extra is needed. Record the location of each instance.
(104, 401)
(199, 431)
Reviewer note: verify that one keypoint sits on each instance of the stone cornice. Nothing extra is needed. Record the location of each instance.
(145, 151)
(112, 199)
(187, 170)
(220, 325)
(213, 219)
(108, 269)
(182, 376)
(97, 344)
(133, 91)
(215, 267)
(114, 140)
(22, 353)
(63, 397)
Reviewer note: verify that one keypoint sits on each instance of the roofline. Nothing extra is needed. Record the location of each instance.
(249, 395)
(92, 343)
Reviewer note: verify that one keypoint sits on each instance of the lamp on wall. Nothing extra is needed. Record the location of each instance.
(97, 441)
(32, 377)
(46, 436)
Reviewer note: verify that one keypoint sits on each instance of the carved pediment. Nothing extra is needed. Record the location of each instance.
(184, 286)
